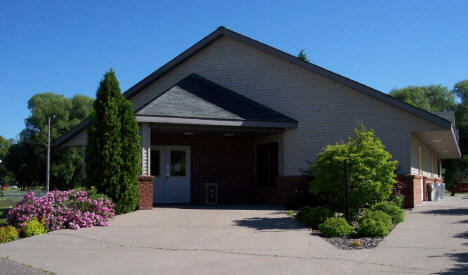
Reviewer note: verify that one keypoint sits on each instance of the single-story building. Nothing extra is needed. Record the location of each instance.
(233, 111)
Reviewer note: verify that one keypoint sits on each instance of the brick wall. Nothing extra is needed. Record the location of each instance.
(287, 188)
(146, 192)
(228, 161)
(412, 190)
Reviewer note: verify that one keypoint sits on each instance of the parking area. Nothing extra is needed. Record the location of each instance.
(246, 240)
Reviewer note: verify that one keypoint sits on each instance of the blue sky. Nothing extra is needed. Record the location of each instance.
(66, 46)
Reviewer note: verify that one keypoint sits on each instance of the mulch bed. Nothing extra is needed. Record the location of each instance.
(351, 242)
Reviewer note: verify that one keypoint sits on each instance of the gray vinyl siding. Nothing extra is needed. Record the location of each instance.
(326, 110)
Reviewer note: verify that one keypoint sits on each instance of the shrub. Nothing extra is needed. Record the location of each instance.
(8, 234)
(397, 215)
(398, 187)
(398, 200)
(32, 227)
(369, 227)
(380, 216)
(62, 209)
(370, 171)
(302, 211)
(313, 217)
(335, 227)
(375, 223)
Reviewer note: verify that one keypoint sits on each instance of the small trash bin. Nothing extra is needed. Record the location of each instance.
(437, 187)
(442, 190)
(430, 192)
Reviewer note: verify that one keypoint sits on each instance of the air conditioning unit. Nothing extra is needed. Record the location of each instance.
(210, 193)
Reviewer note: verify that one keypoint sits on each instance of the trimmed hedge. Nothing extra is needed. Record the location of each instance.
(335, 227)
(313, 217)
(391, 209)
(8, 234)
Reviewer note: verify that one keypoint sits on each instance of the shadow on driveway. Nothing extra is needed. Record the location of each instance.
(264, 223)
(461, 267)
(451, 212)
(221, 207)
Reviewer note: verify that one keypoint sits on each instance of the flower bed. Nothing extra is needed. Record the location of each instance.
(62, 209)
(367, 231)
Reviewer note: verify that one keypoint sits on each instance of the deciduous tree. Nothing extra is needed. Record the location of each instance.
(27, 158)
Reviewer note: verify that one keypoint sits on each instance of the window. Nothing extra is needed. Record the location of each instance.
(155, 163)
(267, 164)
(178, 163)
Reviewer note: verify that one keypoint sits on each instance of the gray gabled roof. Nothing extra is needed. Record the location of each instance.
(222, 31)
(448, 115)
(197, 97)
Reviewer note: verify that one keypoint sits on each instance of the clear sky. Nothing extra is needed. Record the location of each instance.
(66, 46)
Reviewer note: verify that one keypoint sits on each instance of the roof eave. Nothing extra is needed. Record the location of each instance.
(217, 122)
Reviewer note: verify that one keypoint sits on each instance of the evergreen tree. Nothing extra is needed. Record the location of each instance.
(127, 196)
(103, 153)
(113, 152)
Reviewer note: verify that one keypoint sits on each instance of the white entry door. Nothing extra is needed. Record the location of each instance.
(171, 167)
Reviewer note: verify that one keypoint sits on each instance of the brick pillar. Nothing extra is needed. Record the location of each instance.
(146, 192)
(412, 190)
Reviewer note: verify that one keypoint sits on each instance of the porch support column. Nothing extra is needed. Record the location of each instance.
(145, 135)
(145, 179)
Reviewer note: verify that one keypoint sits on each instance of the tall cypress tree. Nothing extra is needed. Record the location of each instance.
(127, 195)
(104, 150)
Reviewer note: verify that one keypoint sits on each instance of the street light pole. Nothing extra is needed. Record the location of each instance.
(48, 156)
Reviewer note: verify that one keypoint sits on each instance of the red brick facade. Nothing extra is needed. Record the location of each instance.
(412, 190)
(287, 187)
(146, 192)
(228, 161)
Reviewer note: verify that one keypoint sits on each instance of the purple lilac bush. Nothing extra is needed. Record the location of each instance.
(62, 209)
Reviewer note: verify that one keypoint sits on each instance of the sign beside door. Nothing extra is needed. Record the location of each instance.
(171, 167)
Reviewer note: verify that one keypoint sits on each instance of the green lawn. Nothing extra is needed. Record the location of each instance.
(4, 207)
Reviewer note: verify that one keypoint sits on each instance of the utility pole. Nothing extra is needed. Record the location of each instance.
(48, 156)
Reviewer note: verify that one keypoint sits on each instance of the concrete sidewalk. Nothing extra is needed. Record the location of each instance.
(247, 241)
(433, 239)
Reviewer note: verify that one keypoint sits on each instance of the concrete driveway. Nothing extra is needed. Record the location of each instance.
(246, 240)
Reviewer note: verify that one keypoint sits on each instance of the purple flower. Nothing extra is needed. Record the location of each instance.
(62, 209)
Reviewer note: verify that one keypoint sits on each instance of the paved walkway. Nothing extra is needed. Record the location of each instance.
(247, 241)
